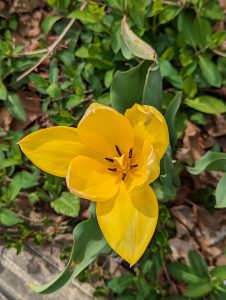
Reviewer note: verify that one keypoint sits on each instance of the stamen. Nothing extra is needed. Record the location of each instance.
(118, 150)
(123, 176)
(109, 159)
(133, 166)
(130, 153)
(112, 169)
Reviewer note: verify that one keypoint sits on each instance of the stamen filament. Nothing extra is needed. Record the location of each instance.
(112, 169)
(118, 150)
(133, 166)
(109, 159)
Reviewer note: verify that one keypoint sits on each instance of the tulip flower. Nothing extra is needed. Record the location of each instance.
(111, 159)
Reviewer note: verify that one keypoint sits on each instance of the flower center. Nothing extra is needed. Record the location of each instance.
(122, 163)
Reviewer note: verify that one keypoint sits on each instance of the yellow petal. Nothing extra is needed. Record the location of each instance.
(52, 149)
(128, 222)
(147, 170)
(102, 129)
(149, 124)
(90, 179)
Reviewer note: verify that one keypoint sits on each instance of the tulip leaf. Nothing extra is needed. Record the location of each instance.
(136, 45)
(210, 161)
(88, 243)
(127, 86)
(153, 91)
(207, 104)
(170, 116)
(221, 193)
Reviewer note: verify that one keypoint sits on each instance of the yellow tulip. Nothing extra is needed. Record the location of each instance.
(111, 159)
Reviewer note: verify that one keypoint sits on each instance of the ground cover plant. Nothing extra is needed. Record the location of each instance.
(59, 57)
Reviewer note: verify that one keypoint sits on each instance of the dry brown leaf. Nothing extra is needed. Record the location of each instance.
(25, 6)
(5, 119)
(29, 24)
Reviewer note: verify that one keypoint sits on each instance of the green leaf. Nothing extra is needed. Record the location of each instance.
(207, 104)
(90, 14)
(48, 23)
(67, 204)
(213, 11)
(9, 217)
(176, 297)
(127, 86)
(108, 78)
(137, 15)
(219, 272)
(168, 14)
(208, 162)
(221, 193)
(183, 273)
(54, 90)
(40, 83)
(12, 190)
(168, 71)
(190, 86)
(153, 90)
(185, 26)
(210, 71)
(203, 32)
(198, 264)
(27, 180)
(15, 107)
(136, 45)
(88, 243)
(196, 290)
(119, 284)
(170, 116)
(3, 91)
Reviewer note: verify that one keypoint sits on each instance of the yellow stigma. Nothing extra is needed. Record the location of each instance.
(121, 162)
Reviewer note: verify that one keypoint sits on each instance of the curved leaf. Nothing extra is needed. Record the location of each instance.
(88, 243)
(136, 45)
(153, 91)
(210, 161)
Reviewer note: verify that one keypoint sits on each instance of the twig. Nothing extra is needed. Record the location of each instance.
(49, 51)
(28, 53)
(218, 52)
(171, 3)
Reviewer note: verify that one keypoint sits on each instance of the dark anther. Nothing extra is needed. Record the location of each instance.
(123, 176)
(109, 159)
(130, 153)
(119, 152)
(133, 166)
(112, 169)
